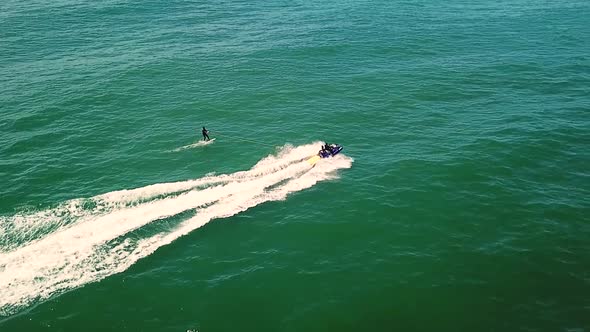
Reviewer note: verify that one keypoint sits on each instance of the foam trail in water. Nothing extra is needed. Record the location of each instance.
(194, 145)
(286, 156)
(227, 207)
(20, 229)
(86, 251)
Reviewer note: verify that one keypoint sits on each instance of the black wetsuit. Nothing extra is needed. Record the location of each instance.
(205, 134)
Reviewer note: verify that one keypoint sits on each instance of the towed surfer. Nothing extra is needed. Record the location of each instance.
(205, 134)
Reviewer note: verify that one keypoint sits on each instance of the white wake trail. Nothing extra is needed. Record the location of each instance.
(21, 229)
(286, 156)
(224, 208)
(194, 145)
(86, 251)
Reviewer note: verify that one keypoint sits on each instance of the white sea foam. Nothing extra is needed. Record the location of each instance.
(194, 145)
(98, 243)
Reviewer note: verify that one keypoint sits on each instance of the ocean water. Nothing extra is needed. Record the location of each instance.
(460, 201)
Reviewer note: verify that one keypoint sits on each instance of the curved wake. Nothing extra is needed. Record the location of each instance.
(84, 240)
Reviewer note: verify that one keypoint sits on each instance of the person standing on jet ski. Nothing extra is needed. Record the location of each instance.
(205, 134)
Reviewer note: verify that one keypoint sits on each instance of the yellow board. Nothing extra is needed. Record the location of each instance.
(313, 160)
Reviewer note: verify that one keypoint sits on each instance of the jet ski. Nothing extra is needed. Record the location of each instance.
(331, 151)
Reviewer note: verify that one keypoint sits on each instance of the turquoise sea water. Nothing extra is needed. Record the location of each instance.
(460, 201)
